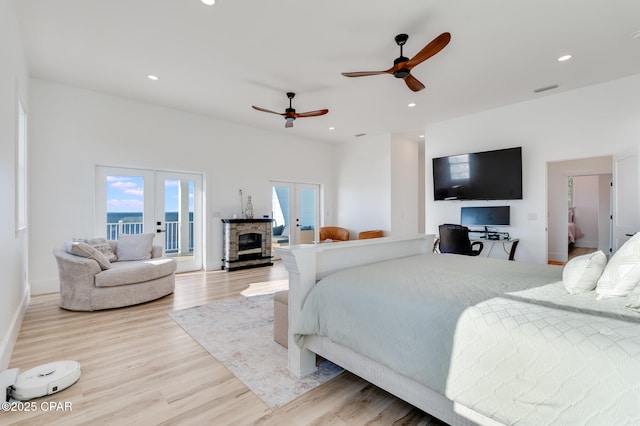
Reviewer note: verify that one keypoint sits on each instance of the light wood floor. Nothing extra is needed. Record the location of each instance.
(579, 251)
(139, 367)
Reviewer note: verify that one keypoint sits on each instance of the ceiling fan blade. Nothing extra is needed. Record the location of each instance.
(365, 73)
(265, 110)
(312, 113)
(413, 83)
(436, 45)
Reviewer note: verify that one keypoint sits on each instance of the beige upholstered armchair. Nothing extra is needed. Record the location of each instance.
(89, 281)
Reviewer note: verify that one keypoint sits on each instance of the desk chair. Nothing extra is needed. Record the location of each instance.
(455, 239)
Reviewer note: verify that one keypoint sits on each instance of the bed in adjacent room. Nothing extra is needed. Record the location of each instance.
(574, 232)
(466, 339)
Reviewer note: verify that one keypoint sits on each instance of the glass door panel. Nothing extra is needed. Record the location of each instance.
(179, 221)
(280, 208)
(307, 198)
(123, 203)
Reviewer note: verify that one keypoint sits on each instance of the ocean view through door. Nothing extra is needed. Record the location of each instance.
(168, 204)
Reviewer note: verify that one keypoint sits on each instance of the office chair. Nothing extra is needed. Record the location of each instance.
(455, 239)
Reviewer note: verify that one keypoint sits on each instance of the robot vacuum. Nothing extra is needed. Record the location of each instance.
(45, 380)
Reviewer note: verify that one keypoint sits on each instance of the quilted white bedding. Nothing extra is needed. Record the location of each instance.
(523, 362)
(403, 312)
(502, 338)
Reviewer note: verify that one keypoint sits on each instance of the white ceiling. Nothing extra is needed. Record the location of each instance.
(220, 60)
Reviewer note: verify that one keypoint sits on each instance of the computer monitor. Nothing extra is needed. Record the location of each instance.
(485, 216)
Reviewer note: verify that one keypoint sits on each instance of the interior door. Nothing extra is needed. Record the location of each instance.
(295, 212)
(135, 201)
(625, 197)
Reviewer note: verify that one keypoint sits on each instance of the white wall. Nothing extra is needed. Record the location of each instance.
(73, 130)
(363, 197)
(14, 286)
(595, 121)
(377, 185)
(404, 186)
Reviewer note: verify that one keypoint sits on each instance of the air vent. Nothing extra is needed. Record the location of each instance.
(544, 89)
(359, 134)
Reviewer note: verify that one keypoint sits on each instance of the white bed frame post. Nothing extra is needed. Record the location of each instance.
(301, 265)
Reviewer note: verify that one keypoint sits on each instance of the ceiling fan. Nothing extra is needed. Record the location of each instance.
(402, 65)
(290, 113)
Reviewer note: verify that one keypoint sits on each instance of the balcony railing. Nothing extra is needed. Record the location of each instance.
(171, 234)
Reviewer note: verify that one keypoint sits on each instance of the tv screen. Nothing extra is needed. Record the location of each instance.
(488, 175)
(485, 216)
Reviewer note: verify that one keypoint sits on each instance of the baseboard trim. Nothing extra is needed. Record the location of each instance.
(45, 287)
(557, 257)
(10, 338)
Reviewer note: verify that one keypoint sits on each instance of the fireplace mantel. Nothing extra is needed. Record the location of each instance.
(246, 220)
(246, 243)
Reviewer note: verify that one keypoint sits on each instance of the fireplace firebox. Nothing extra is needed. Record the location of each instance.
(247, 243)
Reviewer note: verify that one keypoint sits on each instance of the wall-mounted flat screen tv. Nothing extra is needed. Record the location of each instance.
(488, 175)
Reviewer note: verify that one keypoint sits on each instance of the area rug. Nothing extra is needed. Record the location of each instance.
(238, 332)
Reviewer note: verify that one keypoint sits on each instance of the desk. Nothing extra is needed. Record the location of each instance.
(513, 241)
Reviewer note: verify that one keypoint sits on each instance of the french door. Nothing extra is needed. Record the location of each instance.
(168, 204)
(295, 212)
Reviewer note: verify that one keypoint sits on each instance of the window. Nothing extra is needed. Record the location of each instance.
(570, 191)
(21, 168)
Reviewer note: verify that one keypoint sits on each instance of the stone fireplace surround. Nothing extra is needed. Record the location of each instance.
(246, 243)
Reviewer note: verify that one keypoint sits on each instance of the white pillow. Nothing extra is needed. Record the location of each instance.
(79, 248)
(100, 244)
(581, 273)
(622, 274)
(134, 246)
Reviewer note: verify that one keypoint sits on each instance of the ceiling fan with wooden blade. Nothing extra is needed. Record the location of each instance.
(402, 65)
(290, 113)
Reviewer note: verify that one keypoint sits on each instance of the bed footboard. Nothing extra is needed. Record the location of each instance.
(311, 262)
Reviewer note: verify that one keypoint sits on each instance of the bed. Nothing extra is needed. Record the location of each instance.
(492, 342)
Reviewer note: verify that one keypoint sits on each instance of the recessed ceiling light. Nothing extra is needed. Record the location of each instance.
(421, 136)
(153, 77)
(411, 105)
(332, 128)
(208, 2)
(564, 58)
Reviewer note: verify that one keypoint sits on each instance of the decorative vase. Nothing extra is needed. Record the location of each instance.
(249, 213)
